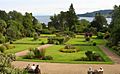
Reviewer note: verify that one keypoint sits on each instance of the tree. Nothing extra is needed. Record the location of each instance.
(99, 22)
(115, 26)
(72, 19)
(83, 25)
(65, 21)
(28, 24)
(3, 15)
(3, 26)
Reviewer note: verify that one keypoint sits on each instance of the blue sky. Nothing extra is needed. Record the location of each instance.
(50, 7)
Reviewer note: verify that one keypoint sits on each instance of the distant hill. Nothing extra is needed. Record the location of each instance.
(106, 13)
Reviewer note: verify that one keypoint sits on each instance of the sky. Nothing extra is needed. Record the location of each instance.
(50, 7)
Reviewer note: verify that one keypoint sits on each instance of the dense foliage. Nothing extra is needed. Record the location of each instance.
(65, 21)
(115, 26)
(14, 25)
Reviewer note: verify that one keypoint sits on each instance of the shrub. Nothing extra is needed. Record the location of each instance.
(39, 53)
(46, 31)
(35, 37)
(50, 41)
(82, 59)
(69, 47)
(42, 43)
(69, 50)
(30, 55)
(93, 56)
(8, 46)
(11, 42)
(2, 48)
(100, 35)
(87, 39)
(94, 43)
(2, 38)
(47, 58)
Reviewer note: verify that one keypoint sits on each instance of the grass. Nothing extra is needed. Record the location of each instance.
(25, 44)
(60, 57)
(44, 35)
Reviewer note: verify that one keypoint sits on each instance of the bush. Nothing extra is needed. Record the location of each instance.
(42, 43)
(35, 37)
(46, 31)
(87, 39)
(11, 42)
(50, 40)
(82, 59)
(39, 53)
(2, 48)
(69, 50)
(93, 56)
(94, 43)
(8, 46)
(30, 55)
(100, 35)
(47, 58)
(2, 39)
(69, 47)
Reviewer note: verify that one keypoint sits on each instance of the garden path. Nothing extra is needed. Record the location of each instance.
(23, 53)
(114, 57)
(60, 68)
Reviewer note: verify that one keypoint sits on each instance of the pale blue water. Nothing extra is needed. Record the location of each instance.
(46, 19)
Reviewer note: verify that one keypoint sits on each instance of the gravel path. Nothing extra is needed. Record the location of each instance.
(57, 68)
(114, 57)
(23, 53)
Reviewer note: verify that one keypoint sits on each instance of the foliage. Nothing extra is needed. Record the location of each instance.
(46, 31)
(14, 25)
(30, 55)
(36, 36)
(107, 35)
(69, 49)
(100, 35)
(93, 56)
(87, 39)
(94, 43)
(2, 48)
(82, 26)
(6, 67)
(99, 22)
(47, 58)
(2, 38)
(52, 40)
(65, 21)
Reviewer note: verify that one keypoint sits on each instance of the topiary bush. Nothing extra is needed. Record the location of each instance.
(87, 39)
(94, 44)
(69, 49)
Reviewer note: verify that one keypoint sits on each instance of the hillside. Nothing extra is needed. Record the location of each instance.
(106, 13)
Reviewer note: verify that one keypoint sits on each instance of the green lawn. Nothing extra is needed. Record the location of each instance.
(77, 41)
(47, 35)
(24, 44)
(60, 57)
